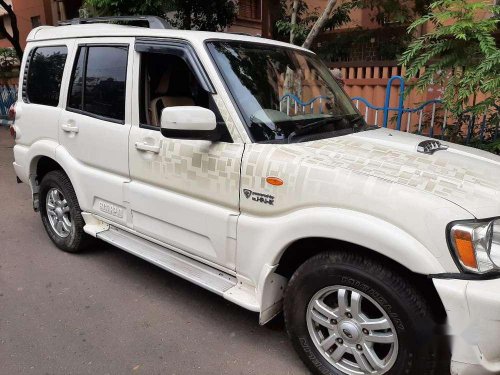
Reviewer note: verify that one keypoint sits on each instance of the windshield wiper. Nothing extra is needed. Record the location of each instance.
(304, 129)
(356, 119)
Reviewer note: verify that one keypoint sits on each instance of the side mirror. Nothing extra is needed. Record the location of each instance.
(189, 122)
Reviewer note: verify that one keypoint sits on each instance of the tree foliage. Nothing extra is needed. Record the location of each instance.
(460, 55)
(306, 18)
(8, 58)
(385, 12)
(395, 11)
(213, 15)
(209, 15)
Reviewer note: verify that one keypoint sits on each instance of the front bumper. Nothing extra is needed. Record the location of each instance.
(473, 308)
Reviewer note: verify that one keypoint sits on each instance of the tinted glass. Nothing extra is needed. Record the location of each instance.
(45, 73)
(104, 92)
(76, 88)
(284, 94)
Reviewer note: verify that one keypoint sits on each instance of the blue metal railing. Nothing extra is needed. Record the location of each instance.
(299, 105)
(429, 119)
(8, 96)
(401, 111)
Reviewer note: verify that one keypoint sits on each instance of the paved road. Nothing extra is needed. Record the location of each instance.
(107, 312)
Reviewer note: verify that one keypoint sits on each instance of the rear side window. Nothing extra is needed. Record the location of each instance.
(98, 82)
(45, 71)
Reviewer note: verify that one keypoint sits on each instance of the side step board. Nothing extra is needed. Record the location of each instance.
(198, 273)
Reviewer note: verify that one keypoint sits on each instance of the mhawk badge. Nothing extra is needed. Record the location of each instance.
(259, 197)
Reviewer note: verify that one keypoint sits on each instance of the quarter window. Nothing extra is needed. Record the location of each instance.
(45, 71)
(98, 81)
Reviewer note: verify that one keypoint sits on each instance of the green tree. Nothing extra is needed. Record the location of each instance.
(309, 23)
(460, 55)
(8, 58)
(306, 19)
(395, 11)
(209, 15)
(127, 7)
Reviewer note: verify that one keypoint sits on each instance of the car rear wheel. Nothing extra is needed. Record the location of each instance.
(349, 314)
(60, 212)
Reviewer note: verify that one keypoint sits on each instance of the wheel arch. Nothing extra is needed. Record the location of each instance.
(284, 242)
(42, 164)
(39, 166)
(303, 249)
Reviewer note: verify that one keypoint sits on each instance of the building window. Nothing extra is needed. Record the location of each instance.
(98, 82)
(249, 9)
(35, 22)
(45, 71)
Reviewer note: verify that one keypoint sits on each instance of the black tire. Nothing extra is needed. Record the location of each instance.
(410, 314)
(77, 239)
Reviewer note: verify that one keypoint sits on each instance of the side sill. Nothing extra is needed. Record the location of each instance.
(203, 275)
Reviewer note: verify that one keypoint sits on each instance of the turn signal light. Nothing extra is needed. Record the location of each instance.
(275, 181)
(465, 248)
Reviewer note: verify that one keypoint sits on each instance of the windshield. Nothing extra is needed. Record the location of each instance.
(285, 95)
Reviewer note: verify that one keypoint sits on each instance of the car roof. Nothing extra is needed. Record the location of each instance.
(103, 30)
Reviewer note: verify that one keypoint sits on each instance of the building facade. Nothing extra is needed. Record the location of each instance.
(33, 13)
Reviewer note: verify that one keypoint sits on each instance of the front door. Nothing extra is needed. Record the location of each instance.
(95, 125)
(183, 193)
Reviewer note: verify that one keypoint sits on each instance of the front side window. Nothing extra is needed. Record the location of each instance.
(167, 80)
(45, 71)
(285, 95)
(98, 81)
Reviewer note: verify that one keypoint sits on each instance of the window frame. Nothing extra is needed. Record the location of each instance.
(86, 46)
(26, 74)
(186, 52)
(231, 95)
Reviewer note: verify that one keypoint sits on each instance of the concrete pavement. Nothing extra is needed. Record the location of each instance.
(105, 311)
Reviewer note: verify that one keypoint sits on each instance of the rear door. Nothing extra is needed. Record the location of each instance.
(40, 101)
(95, 124)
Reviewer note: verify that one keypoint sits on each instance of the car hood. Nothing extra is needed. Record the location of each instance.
(465, 176)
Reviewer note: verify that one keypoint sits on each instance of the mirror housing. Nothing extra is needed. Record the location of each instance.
(189, 122)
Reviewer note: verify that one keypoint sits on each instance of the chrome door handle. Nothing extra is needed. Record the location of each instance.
(146, 147)
(69, 128)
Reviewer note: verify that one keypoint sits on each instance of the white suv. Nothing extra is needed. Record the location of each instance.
(239, 164)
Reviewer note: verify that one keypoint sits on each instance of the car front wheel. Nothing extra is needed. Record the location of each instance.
(349, 314)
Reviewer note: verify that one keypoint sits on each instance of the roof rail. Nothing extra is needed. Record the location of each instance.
(154, 22)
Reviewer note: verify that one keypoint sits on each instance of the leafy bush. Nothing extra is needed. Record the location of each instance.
(8, 58)
(461, 56)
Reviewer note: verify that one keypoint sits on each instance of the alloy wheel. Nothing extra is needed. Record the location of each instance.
(352, 331)
(58, 213)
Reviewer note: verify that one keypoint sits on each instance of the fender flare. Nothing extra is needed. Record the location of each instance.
(263, 241)
(52, 150)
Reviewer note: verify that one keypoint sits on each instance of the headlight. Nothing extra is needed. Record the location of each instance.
(476, 245)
